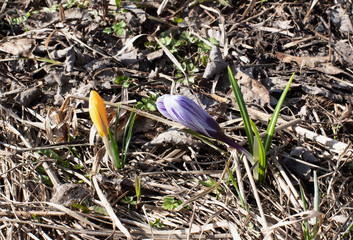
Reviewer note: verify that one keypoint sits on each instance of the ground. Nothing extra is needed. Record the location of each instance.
(56, 182)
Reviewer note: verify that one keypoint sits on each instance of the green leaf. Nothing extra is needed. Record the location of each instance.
(118, 162)
(81, 207)
(151, 106)
(235, 186)
(129, 200)
(259, 155)
(78, 167)
(272, 124)
(157, 223)
(121, 79)
(138, 187)
(99, 210)
(50, 154)
(120, 32)
(118, 3)
(243, 111)
(107, 30)
(36, 217)
(127, 136)
(176, 20)
(46, 180)
(211, 183)
(170, 203)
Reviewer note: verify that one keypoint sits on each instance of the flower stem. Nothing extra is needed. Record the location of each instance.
(233, 144)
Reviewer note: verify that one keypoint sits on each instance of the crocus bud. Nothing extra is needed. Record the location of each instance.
(98, 114)
(185, 111)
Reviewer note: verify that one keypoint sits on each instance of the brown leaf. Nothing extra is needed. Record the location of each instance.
(310, 62)
(19, 47)
(316, 63)
(253, 91)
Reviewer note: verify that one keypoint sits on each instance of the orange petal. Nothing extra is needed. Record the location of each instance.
(98, 113)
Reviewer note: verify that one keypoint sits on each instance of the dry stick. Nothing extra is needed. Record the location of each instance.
(290, 187)
(109, 208)
(148, 220)
(248, 9)
(331, 144)
(317, 119)
(162, 7)
(256, 195)
(173, 59)
(239, 178)
(73, 214)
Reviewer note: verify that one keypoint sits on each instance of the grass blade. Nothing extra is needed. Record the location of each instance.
(235, 186)
(272, 124)
(316, 202)
(242, 108)
(116, 123)
(305, 225)
(350, 228)
(259, 155)
(114, 147)
(127, 136)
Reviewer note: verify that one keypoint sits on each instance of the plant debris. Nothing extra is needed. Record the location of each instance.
(56, 179)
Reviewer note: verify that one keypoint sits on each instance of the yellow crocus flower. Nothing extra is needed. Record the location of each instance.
(99, 118)
(98, 113)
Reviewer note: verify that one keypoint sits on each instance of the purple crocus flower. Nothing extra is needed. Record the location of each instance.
(185, 111)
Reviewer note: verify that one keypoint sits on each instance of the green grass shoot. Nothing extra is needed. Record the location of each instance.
(257, 148)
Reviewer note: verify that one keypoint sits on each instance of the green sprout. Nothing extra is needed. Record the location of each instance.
(309, 234)
(148, 103)
(189, 50)
(118, 28)
(124, 81)
(157, 224)
(19, 20)
(129, 200)
(170, 203)
(257, 147)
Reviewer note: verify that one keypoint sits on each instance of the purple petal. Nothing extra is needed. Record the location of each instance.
(161, 107)
(185, 111)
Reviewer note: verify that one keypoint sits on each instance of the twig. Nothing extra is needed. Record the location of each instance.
(256, 195)
(109, 209)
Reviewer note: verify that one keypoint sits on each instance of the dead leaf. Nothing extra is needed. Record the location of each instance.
(322, 91)
(21, 47)
(69, 193)
(173, 136)
(26, 97)
(341, 19)
(315, 63)
(344, 51)
(139, 12)
(59, 123)
(215, 64)
(283, 24)
(253, 91)
(301, 170)
(310, 62)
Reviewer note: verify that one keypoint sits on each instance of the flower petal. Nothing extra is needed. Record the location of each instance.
(187, 112)
(160, 106)
(98, 113)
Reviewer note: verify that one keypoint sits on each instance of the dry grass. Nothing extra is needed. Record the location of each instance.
(173, 172)
(57, 183)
